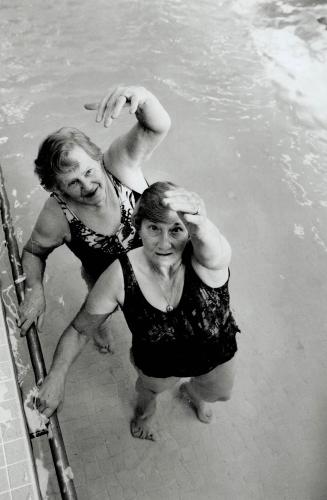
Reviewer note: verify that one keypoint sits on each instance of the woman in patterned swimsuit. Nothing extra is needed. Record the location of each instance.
(93, 194)
(174, 294)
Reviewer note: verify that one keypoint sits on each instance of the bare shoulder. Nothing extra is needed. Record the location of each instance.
(214, 278)
(51, 229)
(108, 289)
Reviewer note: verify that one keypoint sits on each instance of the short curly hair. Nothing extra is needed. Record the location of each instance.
(150, 206)
(53, 156)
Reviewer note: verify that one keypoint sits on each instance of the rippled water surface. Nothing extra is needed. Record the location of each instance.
(239, 67)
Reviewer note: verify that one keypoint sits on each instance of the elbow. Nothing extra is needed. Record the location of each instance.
(224, 258)
(163, 126)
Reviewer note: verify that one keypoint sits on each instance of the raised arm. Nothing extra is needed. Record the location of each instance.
(211, 250)
(50, 231)
(102, 301)
(125, 156)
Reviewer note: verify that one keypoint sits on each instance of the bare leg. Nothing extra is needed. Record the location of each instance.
(213, 386)
(102, 340)
(144, 411)
(203, 412)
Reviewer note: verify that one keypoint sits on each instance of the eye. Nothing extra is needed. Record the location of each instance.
(73, 183)
(88, 172)
(177, 229)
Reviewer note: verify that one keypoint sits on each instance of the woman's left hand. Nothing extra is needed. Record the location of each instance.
(189, 206)
(111, 105)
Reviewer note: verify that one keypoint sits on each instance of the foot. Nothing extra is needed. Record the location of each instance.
(140, 429)
(103, 344)
(202, 411)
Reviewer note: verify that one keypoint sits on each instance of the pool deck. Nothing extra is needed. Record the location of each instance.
(262, 444)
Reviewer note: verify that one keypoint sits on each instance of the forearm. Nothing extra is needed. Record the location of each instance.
(70, 345)
(34, 267)
(210, 247)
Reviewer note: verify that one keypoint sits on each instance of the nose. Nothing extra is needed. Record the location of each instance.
(164, 241)
(86, 185)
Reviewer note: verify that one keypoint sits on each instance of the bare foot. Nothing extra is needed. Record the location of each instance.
(103, 344)
(140, 429)
(202, 411)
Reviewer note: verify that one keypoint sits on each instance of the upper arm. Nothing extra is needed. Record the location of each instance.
(102, 301)
(50, 231)
(211, 277)
(127, 153)
(108, 291)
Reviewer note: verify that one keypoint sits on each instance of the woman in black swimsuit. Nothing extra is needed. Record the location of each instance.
(92, 194)
(174, 294)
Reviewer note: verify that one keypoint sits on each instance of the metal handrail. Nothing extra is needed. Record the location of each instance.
(57, 446)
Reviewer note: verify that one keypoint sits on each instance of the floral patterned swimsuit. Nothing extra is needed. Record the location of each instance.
(97, 251)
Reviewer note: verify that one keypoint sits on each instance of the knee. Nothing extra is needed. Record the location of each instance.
(140, 387)
(224, 397)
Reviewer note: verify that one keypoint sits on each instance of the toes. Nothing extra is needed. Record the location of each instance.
(104, 348)
(141, 432)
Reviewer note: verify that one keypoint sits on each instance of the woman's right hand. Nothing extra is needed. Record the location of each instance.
(32, 310)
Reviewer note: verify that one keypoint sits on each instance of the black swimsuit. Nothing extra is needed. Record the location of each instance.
(192, 339)
(97, 251)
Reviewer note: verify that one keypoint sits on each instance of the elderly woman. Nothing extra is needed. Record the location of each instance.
(173, 292)
(92, 194)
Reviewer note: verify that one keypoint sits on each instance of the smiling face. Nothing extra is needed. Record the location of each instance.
(84, 183)
(164, 242)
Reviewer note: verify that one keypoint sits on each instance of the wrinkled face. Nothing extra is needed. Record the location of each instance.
(164, 243)
(84, 184)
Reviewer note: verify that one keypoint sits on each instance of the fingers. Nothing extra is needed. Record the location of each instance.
(25, 326)
(40, 321)
(184, 202)
(134, 104)
(112, 104)
(91, 106)
(46, 407)
(118, 106)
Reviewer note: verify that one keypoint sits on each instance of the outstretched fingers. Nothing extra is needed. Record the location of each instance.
(112, 104)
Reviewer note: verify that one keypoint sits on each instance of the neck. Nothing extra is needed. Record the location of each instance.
(165, 271)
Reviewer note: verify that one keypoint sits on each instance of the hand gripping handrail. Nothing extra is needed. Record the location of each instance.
(57, 446)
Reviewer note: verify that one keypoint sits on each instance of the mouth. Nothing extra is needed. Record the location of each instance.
(164, 254)
(92, 193)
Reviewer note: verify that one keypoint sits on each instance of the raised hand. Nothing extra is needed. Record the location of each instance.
(111, 105)
(189, 206)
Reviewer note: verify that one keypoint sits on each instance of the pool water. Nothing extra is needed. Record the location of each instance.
(244, 84)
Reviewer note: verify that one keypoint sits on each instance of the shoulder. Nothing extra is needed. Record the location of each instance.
(51, 223)
(52, 213)
(108, 288)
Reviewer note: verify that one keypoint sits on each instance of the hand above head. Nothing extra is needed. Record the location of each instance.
(190, 207)
(32, 310)
(111, 105)
(51, 394)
